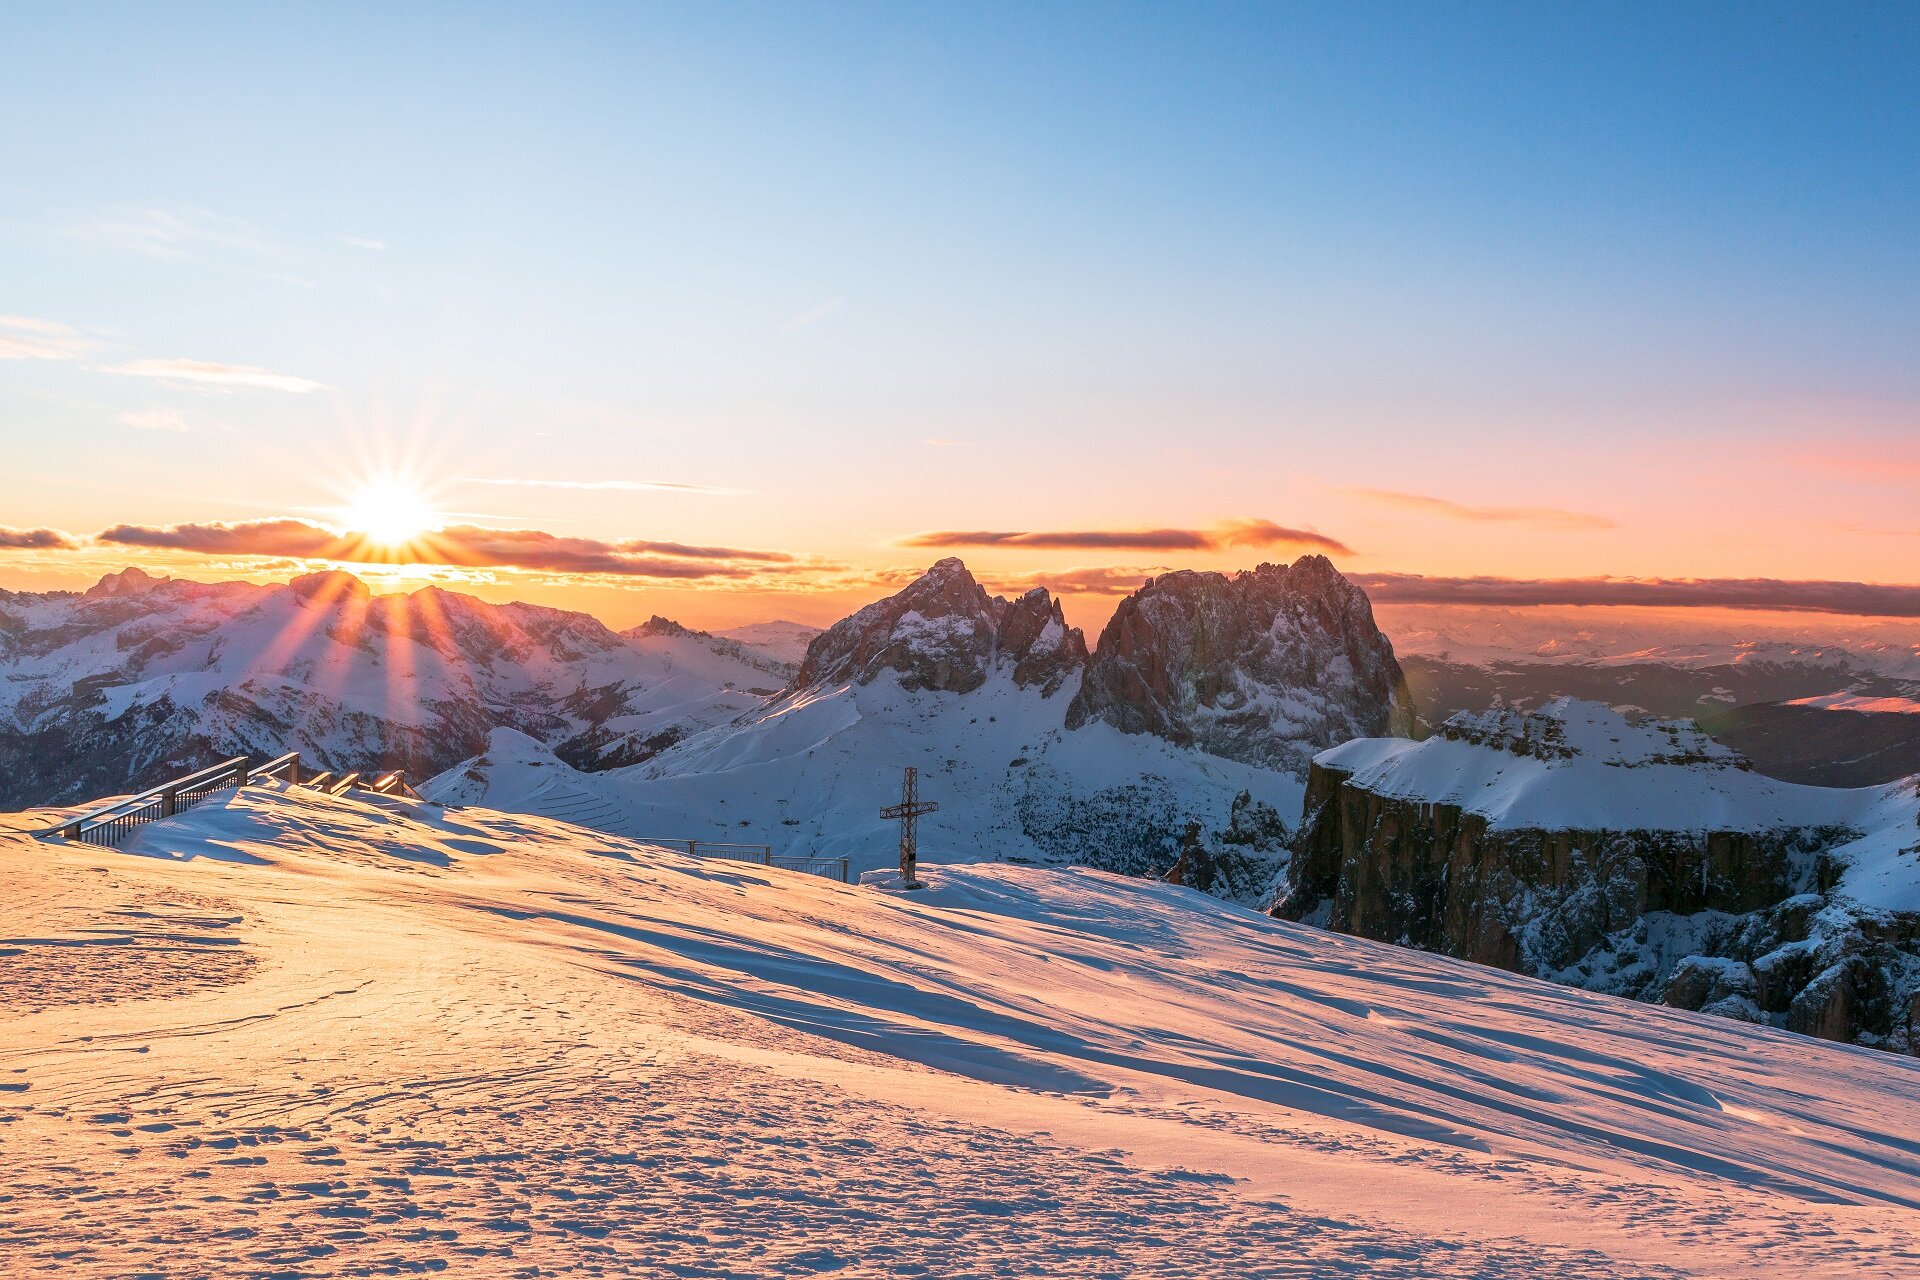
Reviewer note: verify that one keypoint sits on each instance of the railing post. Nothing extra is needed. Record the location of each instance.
(691, 846)
(293, 772)
(169, 802)
(240, 772)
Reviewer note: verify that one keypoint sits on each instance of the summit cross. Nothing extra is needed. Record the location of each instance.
(909, 809)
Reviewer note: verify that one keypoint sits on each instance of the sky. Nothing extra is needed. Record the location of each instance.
(731, 312)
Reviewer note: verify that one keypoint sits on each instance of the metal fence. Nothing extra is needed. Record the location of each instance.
(110, 824)
(831, 868)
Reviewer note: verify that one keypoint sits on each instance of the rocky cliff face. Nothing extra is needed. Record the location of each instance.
(1470, 845)
(1266, 667)
(945, 632)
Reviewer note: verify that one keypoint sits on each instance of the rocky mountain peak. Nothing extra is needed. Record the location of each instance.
(130, 581)
(1266, 666)
(334, 586)
(944, 631)
(659, 626)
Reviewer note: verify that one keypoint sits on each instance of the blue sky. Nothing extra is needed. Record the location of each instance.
(1136, 265)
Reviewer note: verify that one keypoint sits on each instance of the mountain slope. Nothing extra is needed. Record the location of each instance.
(331, 1037)
(980, 694)
(140, 679)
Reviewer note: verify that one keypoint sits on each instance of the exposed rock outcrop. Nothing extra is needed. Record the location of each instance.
(945, 632)
(1708, 887)
(1267, 666)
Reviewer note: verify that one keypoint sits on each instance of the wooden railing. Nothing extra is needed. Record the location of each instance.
(110, 824)
(763, 854)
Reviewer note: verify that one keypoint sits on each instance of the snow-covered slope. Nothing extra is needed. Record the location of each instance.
(781, 640)
(975, 692)
(325, 1037)
(812, 775)
(139, 679)
(1576, 765)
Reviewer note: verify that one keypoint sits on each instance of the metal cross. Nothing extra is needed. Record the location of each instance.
(909, 809)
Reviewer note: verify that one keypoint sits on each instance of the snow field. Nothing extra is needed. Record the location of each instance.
(296, 1035)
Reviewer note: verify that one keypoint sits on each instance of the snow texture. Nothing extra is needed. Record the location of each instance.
(296, 1035)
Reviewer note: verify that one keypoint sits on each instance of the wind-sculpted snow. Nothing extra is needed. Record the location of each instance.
(495, 1044)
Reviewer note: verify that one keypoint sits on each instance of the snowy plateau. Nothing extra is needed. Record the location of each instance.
(293, 1034)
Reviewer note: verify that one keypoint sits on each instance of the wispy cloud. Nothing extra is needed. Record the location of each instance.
(1451, 510)
(157, 420)
(25, 338)
(1104, 580)
(363, 242)
(1866, 599)
(1231, 533)
(35, 540)
(170, 231)
(210, 373)
(813, 315)
(626, 486)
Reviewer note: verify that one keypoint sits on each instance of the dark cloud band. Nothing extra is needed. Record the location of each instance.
(1233, 533)
(1865, 599)
(462, 546)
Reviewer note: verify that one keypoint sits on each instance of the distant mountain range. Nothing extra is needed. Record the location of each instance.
(139, 679)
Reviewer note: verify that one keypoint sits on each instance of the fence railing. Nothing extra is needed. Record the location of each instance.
(762, 854)
(831, 868)
(110, 824)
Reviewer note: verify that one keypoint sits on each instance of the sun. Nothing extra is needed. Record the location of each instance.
(391, 513)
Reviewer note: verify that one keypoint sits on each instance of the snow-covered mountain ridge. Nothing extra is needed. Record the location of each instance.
(335, 1036)
(141, 678)
(1637, 858)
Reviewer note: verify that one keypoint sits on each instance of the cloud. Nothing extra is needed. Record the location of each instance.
(1232, 533)
(223, 375)
(1864, 599)
(283, 537)
(1113, 580)
(363, 242)
(631, 486)
(156, 420)
(813, 315)
(460, 546)
(25, 338)
(171, 231)
(1447, 508)
(684, 551)
(35, 540)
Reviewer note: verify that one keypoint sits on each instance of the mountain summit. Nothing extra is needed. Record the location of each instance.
(945, 632)
(1266, 666)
